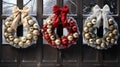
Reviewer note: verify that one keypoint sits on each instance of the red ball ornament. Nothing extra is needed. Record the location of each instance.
(44, 27)
(46, 36)
(72, 23)
(64, 41)
(74, 28)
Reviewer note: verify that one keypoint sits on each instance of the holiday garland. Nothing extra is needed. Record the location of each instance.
(51, 23)
(110, 29)
(11, 24)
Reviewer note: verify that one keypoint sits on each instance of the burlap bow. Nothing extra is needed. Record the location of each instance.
(101, 14)
(19, 14)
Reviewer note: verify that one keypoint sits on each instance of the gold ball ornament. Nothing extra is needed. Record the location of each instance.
(111, 27)
(98, 41)
(6, 34)
(110, 21)
(93, 21)
(85, 29)
(103, 45)
(108, 39)
(110, 34)
(112, 41)
(7, 39)
(35, 38)
(29, 36)
(57, 42)
(75, 35)
(23, 39)
(52, 37)
(28, 42)
(31, 22)
(115, 31)
(87, 35)
(31, 29)
(11, 38)
(89, 24)
(70, 37)
(16, 40)
(9, 30)
(35, 32)
(21, 44)
(7, 24)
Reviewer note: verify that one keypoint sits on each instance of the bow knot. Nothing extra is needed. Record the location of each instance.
(19, 14)
(60, 15)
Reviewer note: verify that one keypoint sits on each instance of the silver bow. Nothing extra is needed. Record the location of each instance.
(101, 14)
(19, 14)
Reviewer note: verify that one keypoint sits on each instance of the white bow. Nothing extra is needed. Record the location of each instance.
(19, 14)
(101, 14)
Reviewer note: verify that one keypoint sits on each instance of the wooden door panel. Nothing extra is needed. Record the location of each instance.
(49, 55)
(9, 54)
(71, 54)
(89, 54)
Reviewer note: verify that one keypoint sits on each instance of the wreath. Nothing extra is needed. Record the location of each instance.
(11, 24)
(68, 23)
(110, 28)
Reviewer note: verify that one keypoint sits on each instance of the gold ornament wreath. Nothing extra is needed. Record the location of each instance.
(11, 24)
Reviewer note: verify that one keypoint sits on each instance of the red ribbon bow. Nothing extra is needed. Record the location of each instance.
(60, 15)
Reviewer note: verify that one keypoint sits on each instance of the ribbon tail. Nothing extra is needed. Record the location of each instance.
(15, 22)
(56, 20)
(98, 20)
(24, 22)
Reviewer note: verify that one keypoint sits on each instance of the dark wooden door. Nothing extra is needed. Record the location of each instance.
(42, 55)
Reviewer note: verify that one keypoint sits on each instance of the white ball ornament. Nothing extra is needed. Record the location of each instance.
(49, 31)
(76, 35)
(91, 41)
(52, 37)
(31, 22)
(57, 42)
(93, 21)
(48, 22)
(49, 26)
(35, 25)
(70, 37)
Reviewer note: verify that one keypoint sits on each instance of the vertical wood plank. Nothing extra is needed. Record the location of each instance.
(40, 39)
(80, 25)
(0, 29)
(19, 33)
